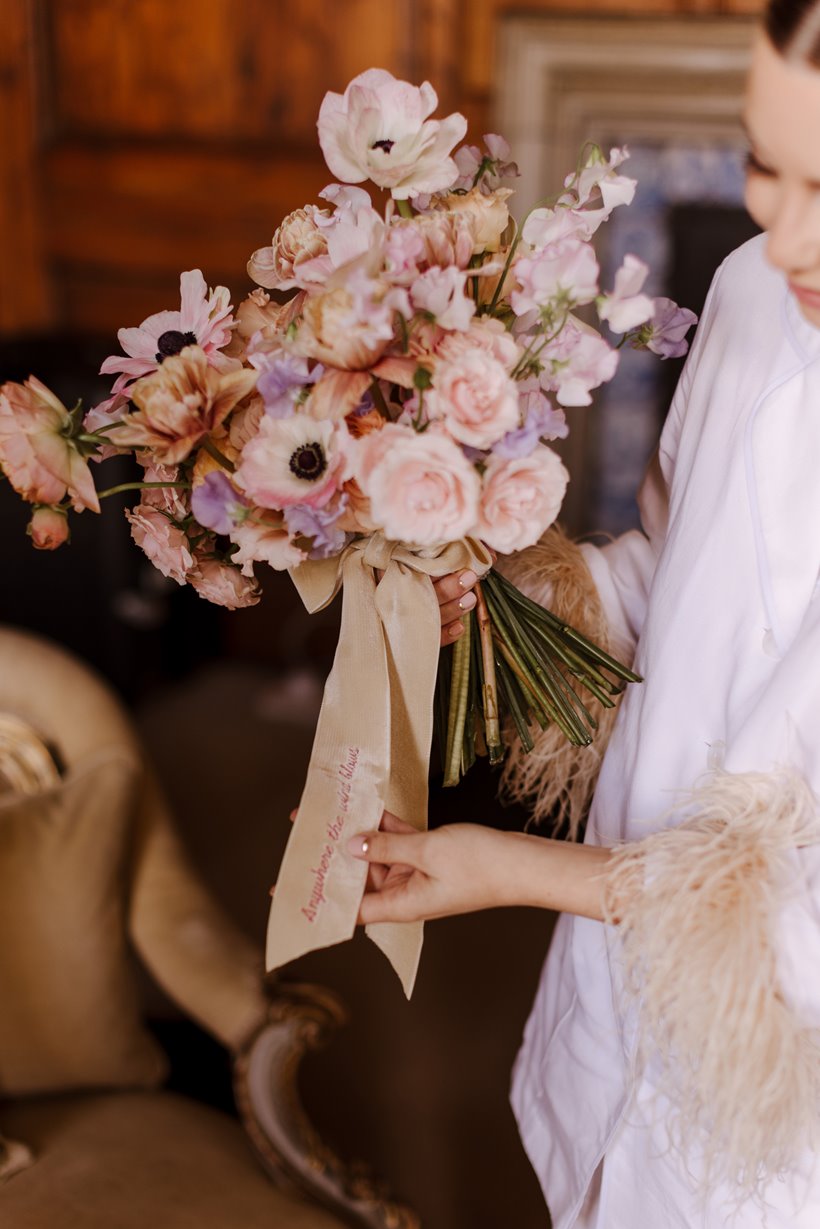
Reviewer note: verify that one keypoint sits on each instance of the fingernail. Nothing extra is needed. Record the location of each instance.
(467, 579)
(467, 602)
(272, 890)
(455, 629)
(358, 845)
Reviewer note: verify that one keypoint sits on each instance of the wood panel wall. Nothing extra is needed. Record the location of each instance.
(139, 138)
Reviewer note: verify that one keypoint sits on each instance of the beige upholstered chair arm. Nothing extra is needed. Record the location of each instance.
(193, 950)
(302, 1018)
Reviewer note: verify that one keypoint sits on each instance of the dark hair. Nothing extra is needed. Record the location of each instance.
(793, 27)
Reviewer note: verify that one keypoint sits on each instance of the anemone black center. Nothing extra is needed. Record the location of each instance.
(172, 342)
(309, 462)
(385, 145)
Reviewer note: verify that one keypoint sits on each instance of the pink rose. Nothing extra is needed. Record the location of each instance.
(475, 398)
(224, 585)
(48, 528)
(520, 499)
(484, 333)
(163, 542)
(421, 487)
(36, 454)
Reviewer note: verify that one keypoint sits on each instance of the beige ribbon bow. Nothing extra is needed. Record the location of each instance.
(372, 746)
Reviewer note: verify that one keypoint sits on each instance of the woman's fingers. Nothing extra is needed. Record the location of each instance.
(454, 585)
(388, 848)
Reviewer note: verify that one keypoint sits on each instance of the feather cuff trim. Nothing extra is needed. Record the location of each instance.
(556, 780)
(698, 908)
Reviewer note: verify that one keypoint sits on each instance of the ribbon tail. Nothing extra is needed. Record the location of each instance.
(410, 616)
(320, 886)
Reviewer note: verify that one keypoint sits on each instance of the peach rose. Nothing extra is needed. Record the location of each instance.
(520, 499)
(421, 487)
(224, 585)
(48, 528)
(475, 398)
(185, 400)
(36, 454)
(486, 214)
(163, 542)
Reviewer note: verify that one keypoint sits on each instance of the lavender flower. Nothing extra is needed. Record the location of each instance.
(665, 333)
(318, 524)
(217, 504)
(283, 382)
(542, 421)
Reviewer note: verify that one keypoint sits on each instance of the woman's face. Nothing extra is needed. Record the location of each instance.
(782, 117)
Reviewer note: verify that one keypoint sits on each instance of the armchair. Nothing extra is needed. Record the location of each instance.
(91, 873)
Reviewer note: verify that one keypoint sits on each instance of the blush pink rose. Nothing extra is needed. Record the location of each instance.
(36, 455)
(484, 333)
(520, 499)
(163, 542)
(48, 528)
(224, 585)
(475, 398)
(421, 487)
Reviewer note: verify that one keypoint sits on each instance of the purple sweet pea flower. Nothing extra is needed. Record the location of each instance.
(665, 333)
(542, 421)
(282, 382)
(318, 524)
(217, 504)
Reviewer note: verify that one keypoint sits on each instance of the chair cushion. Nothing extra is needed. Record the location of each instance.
(141, 1159)
(69, 1015)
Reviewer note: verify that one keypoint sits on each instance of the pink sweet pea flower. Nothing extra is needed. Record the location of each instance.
(520, 499)
(599, 178)
(264, 537)
(565, 272)
(443, 294)
(48, 528)
(421, 487)
(626, 308)
(204, 320)
(37, 455)
(578, 360)
(379, 130)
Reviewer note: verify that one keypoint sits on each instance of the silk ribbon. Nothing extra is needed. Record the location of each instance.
(371, 751)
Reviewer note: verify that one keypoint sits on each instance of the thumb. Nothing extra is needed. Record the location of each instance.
(388, 848)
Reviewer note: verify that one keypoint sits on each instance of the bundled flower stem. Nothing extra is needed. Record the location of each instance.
(516, 664)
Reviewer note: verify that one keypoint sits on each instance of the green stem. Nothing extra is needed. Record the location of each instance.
(459, 691)
(219, 456)
(405, 209)
(378, 397)
(142, 486)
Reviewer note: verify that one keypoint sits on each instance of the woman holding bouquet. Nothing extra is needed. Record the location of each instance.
(670, 1072)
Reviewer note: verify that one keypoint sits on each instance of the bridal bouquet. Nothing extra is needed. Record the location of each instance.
(384, 419)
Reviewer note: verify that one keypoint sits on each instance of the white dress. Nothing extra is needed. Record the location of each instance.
(720, 594)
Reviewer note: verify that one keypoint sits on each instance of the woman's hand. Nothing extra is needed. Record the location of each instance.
(464, 867)
(415, 875)
(455, 596)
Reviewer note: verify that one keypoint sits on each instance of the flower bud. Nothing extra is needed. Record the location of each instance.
(48, 528)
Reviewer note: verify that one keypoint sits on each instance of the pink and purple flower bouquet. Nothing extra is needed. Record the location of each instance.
(379, 411)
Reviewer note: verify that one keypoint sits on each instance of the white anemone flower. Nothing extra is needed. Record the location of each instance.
(379, 130)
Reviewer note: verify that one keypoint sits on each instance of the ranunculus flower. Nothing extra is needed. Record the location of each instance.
(447, 238)
(520, 499)
(264, 537)
(298, 460)
(223, 584)
(171, 499)
(163, 542)
(626, 308)
(48, 528)
(486, 215)
(665, 333)
(421, 487)
(475, 398)
(566, 271)
(379, 130)
(442, 293)
(204, 320)
(298, 239)
(182, 402)
(36, 454)
(575, 362)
